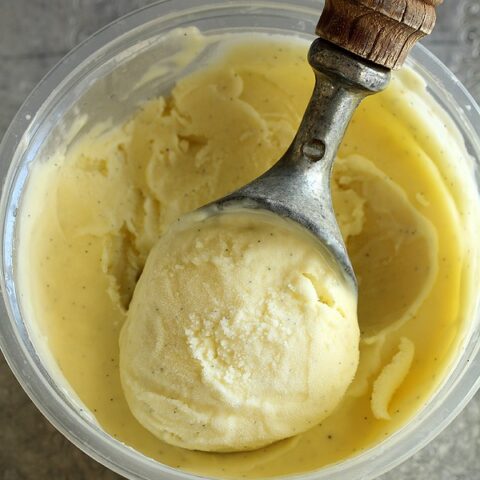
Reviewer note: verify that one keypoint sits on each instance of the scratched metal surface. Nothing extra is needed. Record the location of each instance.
(34, 35)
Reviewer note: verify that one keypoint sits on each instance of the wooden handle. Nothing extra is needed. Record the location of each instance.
(383, 31)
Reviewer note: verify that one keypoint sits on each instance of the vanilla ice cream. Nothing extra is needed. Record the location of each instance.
(405, 199)
(241, 332)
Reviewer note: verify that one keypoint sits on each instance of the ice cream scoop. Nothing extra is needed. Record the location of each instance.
(242, 330)
(240, 333)
(360, 41)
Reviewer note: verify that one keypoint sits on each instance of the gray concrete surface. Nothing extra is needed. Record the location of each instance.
(34, 35)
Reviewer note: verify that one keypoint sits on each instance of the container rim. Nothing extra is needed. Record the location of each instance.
(21, 354)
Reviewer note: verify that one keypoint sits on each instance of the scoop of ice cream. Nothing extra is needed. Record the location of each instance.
(241, 332)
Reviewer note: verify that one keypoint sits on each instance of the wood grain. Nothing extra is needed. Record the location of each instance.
(383, 31)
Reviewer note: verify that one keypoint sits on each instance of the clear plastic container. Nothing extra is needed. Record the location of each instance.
(90, 80)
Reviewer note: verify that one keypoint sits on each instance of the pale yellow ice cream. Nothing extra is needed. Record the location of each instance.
(403, 193)
(241, 332)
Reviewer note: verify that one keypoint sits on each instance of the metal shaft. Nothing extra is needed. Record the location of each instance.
(298, 185)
